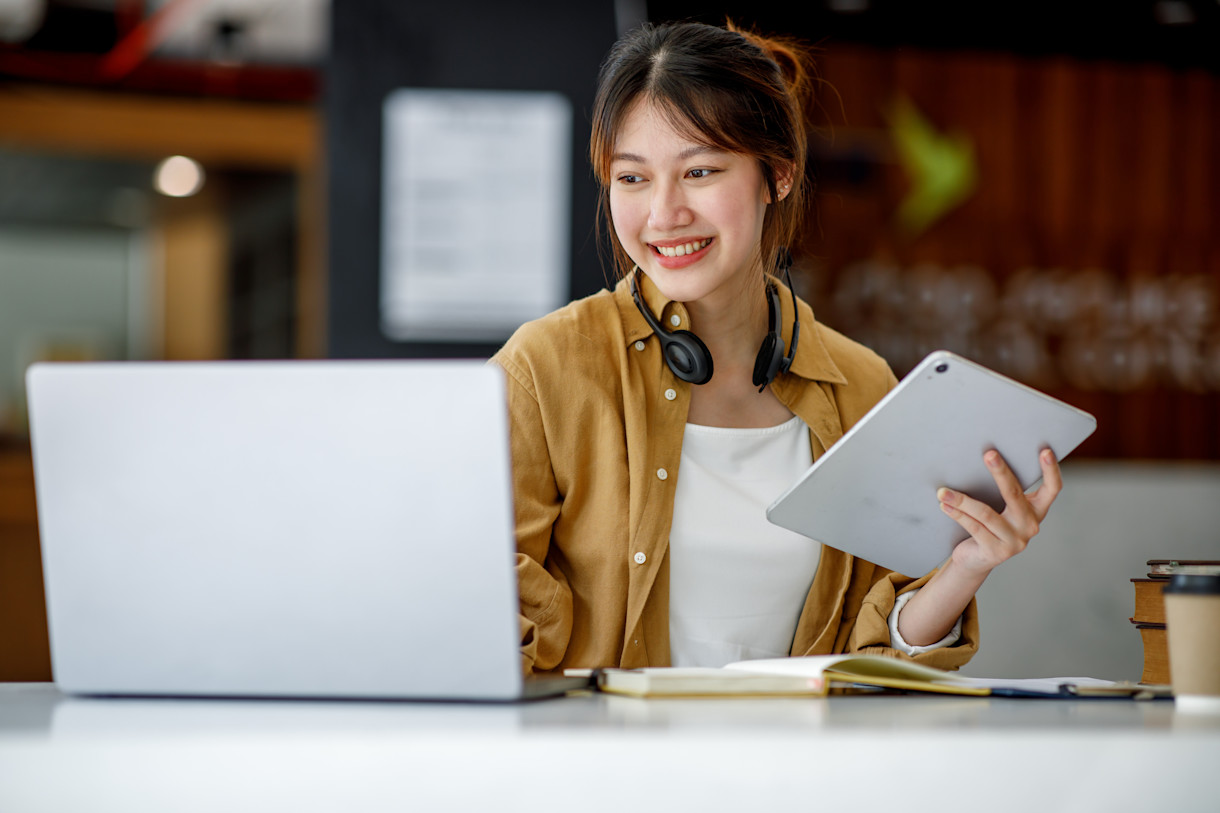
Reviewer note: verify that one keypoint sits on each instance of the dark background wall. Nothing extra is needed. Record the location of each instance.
(1177, 33)
(382, 45)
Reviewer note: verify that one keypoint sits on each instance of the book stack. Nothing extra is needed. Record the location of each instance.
(1149, 618)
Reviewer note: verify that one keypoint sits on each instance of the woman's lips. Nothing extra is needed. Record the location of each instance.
(679, 255)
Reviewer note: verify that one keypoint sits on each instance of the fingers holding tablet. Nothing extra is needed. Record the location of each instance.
(996, 536)
(1052, 483)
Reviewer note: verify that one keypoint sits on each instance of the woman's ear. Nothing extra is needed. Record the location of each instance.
(783, 182)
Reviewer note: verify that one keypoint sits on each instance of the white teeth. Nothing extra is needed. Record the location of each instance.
(682, 250)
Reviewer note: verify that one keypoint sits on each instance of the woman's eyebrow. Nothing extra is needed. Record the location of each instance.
(685, 155)
(699, 149)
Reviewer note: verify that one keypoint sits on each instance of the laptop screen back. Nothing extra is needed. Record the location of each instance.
(310, 529)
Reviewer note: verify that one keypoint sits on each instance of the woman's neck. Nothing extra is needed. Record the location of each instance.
(733, 323)
(733, 328)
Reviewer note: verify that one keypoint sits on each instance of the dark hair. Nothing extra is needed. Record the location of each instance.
(723, 87)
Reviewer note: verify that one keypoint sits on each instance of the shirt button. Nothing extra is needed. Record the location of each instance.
(670, 395)
(640, 558)
(675, 320)
(662, 474)
(639, 345)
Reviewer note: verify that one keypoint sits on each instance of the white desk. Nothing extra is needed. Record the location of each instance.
(596, 752)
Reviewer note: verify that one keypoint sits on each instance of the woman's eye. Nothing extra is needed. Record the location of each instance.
(700, 173)
(629, 179)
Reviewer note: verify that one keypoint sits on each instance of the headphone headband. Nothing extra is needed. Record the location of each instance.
(690, 360)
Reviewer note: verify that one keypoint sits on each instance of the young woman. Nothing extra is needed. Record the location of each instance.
(653, 424)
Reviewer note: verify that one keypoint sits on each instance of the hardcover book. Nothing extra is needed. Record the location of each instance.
(1149, 617)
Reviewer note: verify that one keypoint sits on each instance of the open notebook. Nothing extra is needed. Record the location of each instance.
(818, 674)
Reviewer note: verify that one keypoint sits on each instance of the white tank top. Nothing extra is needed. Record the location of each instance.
(737, 582)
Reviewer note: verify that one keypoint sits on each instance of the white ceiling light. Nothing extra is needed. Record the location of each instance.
(178, 177)
(274, 31)
(20, 18)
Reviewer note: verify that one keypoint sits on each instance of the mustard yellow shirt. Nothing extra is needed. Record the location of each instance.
(597, 422)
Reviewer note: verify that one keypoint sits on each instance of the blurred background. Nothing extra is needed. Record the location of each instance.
(1033, 185)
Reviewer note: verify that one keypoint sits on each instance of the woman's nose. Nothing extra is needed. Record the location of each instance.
(668, 208)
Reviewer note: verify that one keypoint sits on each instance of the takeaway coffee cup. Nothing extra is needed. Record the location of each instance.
(1192, 617)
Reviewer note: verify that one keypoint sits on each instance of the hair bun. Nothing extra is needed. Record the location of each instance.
(794, 58)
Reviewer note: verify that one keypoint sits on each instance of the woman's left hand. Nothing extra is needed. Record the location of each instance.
(998, 536)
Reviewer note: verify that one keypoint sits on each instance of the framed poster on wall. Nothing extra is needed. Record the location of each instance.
(476, 212)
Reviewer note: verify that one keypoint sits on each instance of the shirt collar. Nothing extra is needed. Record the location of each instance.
(812, 360)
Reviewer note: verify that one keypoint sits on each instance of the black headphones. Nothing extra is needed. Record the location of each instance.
(688, 357)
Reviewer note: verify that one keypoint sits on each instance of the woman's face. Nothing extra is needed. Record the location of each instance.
(690, 216)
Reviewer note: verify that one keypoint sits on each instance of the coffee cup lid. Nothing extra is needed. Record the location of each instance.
(1193, 584)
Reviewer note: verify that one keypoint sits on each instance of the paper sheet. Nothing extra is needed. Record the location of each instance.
(476, 212)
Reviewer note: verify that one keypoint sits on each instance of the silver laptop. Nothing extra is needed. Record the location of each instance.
(318, 529)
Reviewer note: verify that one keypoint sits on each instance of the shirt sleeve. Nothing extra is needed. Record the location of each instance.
(896, 640)
(545, 597)
(869, 630)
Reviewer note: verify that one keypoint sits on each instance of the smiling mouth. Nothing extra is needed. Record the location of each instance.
(682, 249)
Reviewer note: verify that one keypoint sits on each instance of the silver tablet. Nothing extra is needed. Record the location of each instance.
(873, 494)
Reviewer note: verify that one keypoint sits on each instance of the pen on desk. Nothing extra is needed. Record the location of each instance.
(1064, 690)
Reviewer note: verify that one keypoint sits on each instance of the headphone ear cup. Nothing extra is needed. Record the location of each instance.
(687, 356)
(771, 354)
(685, 353)
(767, 364)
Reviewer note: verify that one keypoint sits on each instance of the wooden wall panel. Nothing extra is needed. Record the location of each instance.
(25, 653)
(1054, 176)
(1093, 220)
